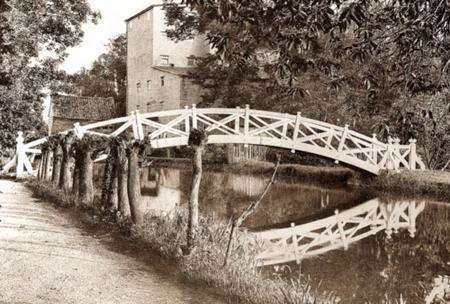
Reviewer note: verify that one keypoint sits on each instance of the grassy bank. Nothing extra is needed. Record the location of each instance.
(240, 281)
(413, 184)
(409, 184)
(301, 173)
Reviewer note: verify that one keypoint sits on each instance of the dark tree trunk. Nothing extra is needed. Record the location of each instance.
(64, 179)
(76, 174)
(110, 191)
(122, 180)
(113, 194)
(197, 140)
(42, 164)
(86, 186)
(46, 172)
(134, 185)
(57, 158)
(107, 179)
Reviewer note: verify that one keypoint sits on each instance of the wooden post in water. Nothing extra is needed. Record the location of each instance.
(197, 140)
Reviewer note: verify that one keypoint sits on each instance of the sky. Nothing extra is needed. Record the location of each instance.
(114, 13)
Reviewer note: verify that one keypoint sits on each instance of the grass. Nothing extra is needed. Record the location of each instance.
(413, 184)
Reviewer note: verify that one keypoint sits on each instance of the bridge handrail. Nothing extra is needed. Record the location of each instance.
(259, 127)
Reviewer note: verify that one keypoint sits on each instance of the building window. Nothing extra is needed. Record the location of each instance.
(162, 81)
(138, 86)
(191, 61)
(148, 85)
(164, 59)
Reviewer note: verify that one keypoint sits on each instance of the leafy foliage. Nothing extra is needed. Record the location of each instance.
(353, 62)
(24, 37)
(108, 75)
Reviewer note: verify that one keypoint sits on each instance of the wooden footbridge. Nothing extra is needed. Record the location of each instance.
(244, 126)
(338, 231)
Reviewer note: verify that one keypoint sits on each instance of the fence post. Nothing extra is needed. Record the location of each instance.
(389, 162)
(187, 126)
(246, 123)
(79, 132)
(296, 128)
(374, 149)
(20, 152)
(194, 116)
(412, 154)
(396, 154)
(237, 126)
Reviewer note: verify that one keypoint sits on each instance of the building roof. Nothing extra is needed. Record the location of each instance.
(83, 108)
(143, 12)
(179, 71)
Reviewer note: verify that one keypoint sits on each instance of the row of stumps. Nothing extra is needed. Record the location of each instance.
(68, 162)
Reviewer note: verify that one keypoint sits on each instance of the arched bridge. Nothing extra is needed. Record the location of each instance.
(245, 126)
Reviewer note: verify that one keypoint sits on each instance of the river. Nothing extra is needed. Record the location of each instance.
(403, 263)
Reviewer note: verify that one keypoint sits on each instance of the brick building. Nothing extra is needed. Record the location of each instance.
(67, 109)
(157, 66)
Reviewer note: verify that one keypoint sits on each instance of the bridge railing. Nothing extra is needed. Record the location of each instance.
(245, 126)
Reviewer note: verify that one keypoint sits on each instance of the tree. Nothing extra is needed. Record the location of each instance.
(339, 61)
(52, 27)
(108, 75)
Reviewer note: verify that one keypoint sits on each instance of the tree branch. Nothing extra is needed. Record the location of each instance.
(236, 223)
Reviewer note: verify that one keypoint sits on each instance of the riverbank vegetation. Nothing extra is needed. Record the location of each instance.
(414, 184)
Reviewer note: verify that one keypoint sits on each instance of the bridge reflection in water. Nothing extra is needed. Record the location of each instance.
(337, 231)
(383, 264)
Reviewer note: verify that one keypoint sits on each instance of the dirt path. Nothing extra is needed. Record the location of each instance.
(46, 258)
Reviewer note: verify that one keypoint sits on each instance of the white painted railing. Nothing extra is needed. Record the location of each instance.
(338, 231)
(249, 127)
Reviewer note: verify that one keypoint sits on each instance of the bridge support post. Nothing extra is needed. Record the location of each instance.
(396, 153)
(20, 152)
(246, 123)
(194, 116)
(138, 130)
(237, 126)
(187, 125)
(389, 161)
(296, 128)
(374, 153)
(412, 154)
